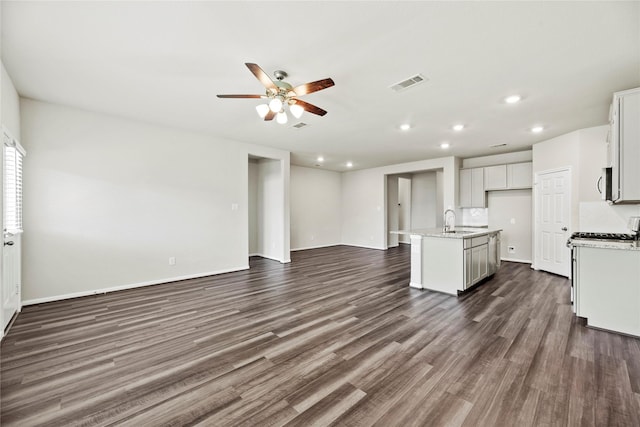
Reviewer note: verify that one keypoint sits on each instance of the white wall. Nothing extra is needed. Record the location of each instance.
(424, 203)
(585, 151)
(439, 199)
(511, 210)
(404, 214)
(107, 201)
(560, 152)
(269, 207)
(393, 211)
(10, 105)
(315, 207)
(364, 213)
(252, 207)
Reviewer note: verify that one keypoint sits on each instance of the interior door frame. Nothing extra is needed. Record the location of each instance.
(536, 212)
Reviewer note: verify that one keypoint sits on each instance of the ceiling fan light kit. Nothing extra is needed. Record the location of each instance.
(296, 110)
(262, 110)
(275, 104)
(280, 93)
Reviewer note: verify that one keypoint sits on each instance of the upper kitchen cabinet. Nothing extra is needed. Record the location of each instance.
(519, 175)
(625, 146)
(472, 194)
(508, 177)
(495, 177)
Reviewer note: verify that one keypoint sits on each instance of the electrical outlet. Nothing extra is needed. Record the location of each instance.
(511, 249)
(234, 206)
(513, 220)
(172, 260)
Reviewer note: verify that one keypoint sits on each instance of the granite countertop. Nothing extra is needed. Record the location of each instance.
(460, 232)
(603, 244)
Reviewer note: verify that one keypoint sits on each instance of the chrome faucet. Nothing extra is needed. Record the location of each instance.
(447, 227)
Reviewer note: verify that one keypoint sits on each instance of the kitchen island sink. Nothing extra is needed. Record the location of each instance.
(452, 261)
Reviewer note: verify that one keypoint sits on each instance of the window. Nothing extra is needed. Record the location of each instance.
(13, 154)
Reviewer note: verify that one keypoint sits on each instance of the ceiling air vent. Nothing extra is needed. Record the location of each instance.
(299, 125)
(410, 82)
(497, 145)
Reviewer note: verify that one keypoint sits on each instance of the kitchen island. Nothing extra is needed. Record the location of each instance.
(452, 261)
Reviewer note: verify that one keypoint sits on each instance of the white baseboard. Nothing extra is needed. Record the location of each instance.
(129, 286)
(524, 261)
(315, 247)
(364, 246)
(415, 285)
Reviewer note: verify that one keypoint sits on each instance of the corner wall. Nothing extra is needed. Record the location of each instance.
(315, 208)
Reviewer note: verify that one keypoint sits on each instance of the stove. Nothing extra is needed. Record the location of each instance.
(622, 240)
(622, 237)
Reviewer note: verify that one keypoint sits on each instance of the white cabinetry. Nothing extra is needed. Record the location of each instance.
(625, 146)
(508, 177)
(520, 175)
(476, 260)
(475, 182)
(451, 264)
(495, 177)
(607, 286)
(472, 193)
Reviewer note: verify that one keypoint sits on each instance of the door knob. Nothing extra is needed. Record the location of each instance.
(10, 243)
(564, 229)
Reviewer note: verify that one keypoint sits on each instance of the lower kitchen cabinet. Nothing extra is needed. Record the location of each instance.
(476, 260)
(607, 287)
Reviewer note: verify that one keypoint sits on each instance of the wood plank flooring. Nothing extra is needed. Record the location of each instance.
(337, 337)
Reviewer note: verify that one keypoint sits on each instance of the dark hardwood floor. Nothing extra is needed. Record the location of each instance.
(335, 337)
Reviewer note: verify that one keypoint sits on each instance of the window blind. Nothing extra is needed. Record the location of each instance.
(13, 154)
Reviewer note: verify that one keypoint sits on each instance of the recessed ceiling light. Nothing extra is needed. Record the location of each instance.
(537, 129)
(349, 164)
(444, 145)
(458, 127)
(320, 159)
(512, 99)
(405, 126)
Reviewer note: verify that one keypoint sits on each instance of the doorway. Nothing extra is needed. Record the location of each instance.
(414, 201)
(553, 221)
(266, 209)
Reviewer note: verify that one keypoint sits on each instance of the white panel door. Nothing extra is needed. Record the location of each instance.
(10, 278)
(553, 222)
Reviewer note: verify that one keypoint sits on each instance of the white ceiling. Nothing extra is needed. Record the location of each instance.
(164, 62)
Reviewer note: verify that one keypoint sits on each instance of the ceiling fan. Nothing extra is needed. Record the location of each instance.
(280, 93)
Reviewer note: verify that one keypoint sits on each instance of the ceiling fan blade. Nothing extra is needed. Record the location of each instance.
(313, 87)
(311, 108)
(262, 76)
(270, 115)
(241, 96)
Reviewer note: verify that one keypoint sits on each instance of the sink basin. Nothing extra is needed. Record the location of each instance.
(457, 232)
